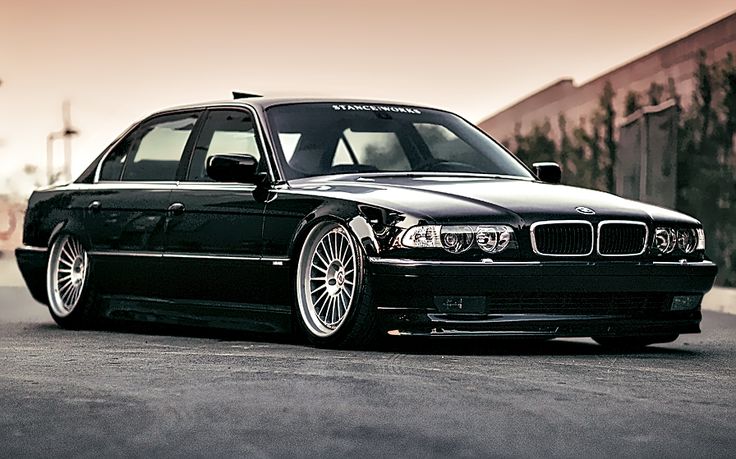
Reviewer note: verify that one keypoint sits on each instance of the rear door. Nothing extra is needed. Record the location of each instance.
(126, 212)
(214, 244)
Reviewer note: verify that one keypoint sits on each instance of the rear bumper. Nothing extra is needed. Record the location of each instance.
(549, 298)
(32, 264)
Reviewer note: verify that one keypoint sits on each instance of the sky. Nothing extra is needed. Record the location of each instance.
(118, 61)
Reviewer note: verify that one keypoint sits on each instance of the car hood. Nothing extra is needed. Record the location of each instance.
(481, 199)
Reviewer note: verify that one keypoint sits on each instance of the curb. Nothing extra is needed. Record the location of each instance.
(720, 299)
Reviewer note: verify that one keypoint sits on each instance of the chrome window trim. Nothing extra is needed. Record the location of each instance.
(215, 186)
(167, 185)
(162, 185)
(555, 222)
(625, 222)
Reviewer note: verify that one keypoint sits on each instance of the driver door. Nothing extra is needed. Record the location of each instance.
(213, 230)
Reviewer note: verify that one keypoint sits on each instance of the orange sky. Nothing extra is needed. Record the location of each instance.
(119, 60)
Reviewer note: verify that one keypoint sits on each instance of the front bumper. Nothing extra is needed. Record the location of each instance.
(555, 298)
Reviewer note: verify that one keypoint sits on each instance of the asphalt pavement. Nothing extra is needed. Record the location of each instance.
(166, 393)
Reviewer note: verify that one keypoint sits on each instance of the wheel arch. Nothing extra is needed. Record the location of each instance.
(356, 224)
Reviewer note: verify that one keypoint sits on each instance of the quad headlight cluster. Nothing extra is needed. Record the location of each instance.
(459, 238)
(686, 240)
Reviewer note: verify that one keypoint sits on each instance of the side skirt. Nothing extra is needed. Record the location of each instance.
(232, 316)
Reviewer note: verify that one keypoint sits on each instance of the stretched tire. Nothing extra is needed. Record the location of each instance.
(633, 342)
(68, 283)
(334, 304)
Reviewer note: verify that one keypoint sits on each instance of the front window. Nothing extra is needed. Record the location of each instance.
(324, 138)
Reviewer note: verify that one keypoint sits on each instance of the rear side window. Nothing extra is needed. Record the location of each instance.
(158, 148)
(152, 152)
(224, 131)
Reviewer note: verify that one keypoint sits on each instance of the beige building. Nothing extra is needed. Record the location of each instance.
(676, 61)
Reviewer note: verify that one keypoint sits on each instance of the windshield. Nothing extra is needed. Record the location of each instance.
(326, 138)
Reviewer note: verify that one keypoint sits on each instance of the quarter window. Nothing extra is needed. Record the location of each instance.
(225, 131)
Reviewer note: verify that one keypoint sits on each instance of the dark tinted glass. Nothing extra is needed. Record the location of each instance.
(112, 166)
(323, 138)
(157, 147)
(224, 131)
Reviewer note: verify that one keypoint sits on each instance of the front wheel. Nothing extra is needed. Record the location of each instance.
(332, 289)
(68, 283)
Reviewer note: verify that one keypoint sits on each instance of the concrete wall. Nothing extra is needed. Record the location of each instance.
(677, 60)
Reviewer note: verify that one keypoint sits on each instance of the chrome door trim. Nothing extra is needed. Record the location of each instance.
(625, 222)
(123, 253)
(553, 222)
(33, 248)
(193, 256)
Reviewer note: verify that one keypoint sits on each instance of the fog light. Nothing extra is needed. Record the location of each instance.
(686, 302)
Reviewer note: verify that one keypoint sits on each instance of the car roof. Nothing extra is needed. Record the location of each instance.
(265, 102)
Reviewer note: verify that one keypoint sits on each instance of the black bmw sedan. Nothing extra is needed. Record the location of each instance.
(346, 220)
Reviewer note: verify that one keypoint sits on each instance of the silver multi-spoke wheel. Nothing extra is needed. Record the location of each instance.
(66, 275)
(326, 279)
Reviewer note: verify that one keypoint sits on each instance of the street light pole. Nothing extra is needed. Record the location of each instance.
(66, 135)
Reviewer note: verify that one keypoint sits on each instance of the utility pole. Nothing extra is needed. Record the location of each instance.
(66, 135)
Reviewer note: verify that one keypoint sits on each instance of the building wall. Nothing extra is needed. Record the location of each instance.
(677, 60)
(11, 223)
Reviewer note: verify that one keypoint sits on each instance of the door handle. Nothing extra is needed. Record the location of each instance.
(176, 208)
(94, 206)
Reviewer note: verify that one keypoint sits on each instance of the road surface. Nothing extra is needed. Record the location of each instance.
(165, 393)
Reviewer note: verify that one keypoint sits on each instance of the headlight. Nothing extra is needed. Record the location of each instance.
(494, 239)
(456, 239)
(665, 240)
(685, 240)
(460, 238)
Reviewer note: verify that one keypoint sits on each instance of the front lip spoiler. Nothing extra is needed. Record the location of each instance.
(573, 326)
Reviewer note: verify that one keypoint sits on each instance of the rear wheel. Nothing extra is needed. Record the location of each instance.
(333, 292)
(68, 283)
(633, 342)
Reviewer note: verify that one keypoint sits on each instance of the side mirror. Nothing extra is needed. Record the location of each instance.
(548, 172)
(238, 168)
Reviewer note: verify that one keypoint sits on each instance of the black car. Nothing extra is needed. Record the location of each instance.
(347, 220)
